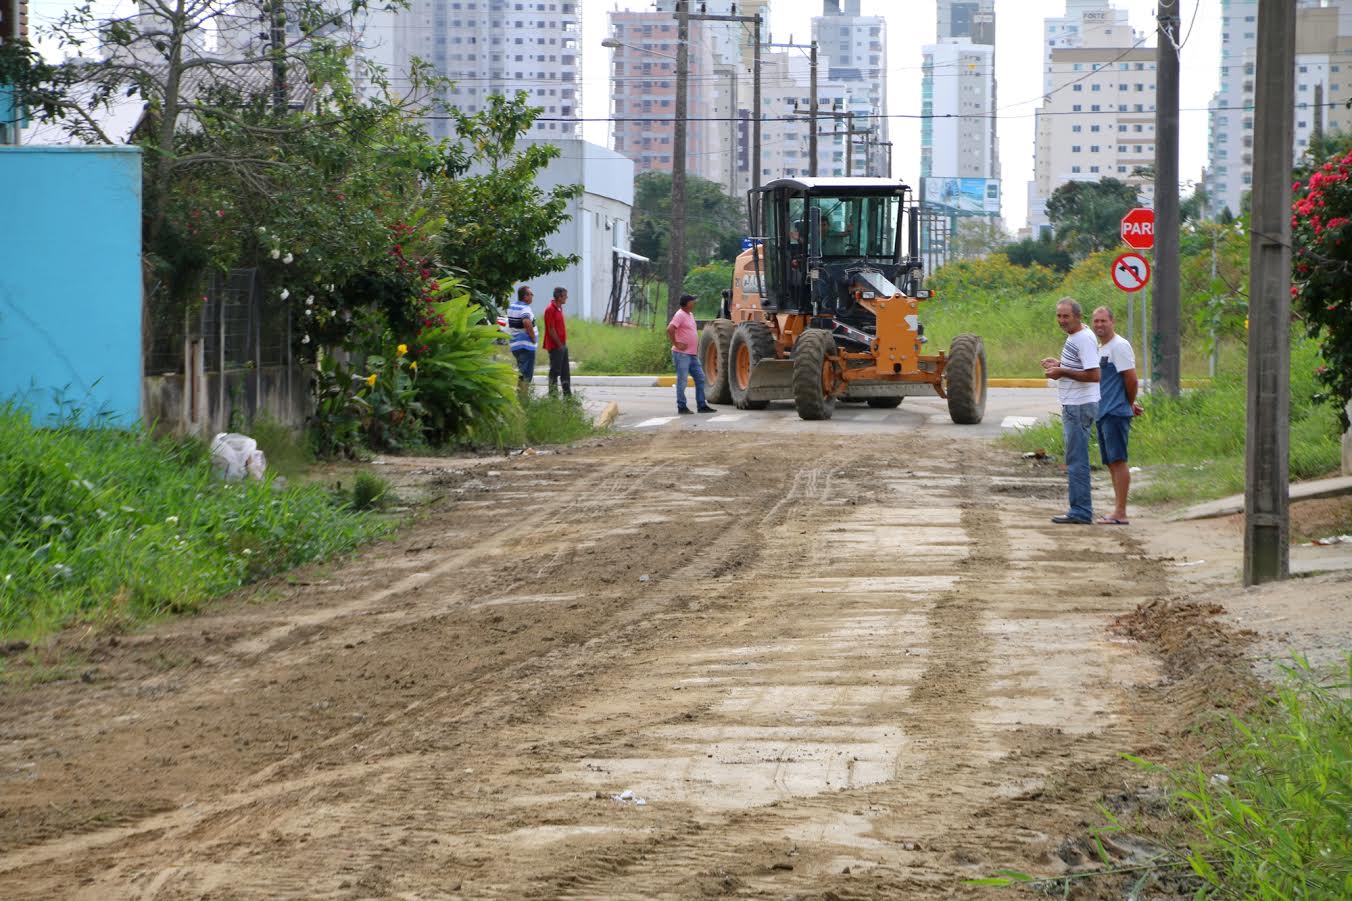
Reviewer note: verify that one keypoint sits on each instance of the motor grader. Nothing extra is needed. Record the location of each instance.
(824, 306)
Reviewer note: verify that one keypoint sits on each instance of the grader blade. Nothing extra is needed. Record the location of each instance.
(771, 380)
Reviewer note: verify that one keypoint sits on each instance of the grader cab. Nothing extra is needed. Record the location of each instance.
(824, 307)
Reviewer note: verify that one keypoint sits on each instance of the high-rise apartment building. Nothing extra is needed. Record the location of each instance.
(719, 99)
(1323, 88)
(853, 48)
(958, 97)
(1098, 115)
(643, 95)
(486, 48)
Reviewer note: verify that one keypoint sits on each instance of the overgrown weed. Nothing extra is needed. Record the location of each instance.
(109, 524)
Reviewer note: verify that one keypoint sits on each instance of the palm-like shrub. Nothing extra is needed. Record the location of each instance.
(462, 387)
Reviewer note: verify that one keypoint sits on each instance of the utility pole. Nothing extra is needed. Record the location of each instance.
(755, 21)
(1166, 372)
(849, 144)
(1267, 442)
(676, 247)
(1317, 138)
(813, 106)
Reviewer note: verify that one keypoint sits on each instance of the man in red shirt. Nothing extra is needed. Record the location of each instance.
(556, 343)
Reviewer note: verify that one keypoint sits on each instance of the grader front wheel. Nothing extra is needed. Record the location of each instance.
(751, 342)
(814, 375)
(965, 380)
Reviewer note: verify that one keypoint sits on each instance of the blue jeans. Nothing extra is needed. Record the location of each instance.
(525, 364)
(1076, 421)
(688, 366)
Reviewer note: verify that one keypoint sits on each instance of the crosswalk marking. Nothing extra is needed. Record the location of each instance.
(655, 421)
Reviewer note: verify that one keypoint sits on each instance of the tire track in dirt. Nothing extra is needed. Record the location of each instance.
(811, 677)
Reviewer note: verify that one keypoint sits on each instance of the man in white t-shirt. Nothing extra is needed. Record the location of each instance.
(1077, 388)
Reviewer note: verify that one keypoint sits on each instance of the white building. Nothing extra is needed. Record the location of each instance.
(1323, 88)
(598, 230)
(855, 50)
(487, 48)
(1097, 118)
(959, 86)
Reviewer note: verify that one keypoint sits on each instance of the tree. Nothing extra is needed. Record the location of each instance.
(715, 222)
(1088, 215)
(1039, 251)
(1321, 236)
(498, 220)
(978, 236)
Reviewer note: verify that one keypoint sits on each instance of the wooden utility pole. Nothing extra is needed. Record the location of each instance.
(1266, 470)
(676, 247)
(813, 105)
(1166, 351)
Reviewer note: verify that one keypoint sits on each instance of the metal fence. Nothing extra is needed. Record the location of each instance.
(225, 360)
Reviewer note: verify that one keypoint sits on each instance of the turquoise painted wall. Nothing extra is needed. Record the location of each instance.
(70, 279)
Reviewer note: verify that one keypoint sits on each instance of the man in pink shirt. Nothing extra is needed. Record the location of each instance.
(685, 355)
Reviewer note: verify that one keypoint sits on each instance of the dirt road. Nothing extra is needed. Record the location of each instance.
(827, 667)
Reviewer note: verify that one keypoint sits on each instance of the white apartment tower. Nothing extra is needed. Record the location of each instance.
(852, 47)
(487, 48)
(1323, 88)
(958, 85)
(1097, 118)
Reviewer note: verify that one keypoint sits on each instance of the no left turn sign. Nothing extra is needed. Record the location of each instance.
(1131, 272)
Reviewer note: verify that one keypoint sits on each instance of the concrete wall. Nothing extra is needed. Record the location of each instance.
(204, 404)
(70, 279)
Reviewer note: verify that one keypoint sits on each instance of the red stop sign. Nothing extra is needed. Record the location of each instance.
(1138, 228)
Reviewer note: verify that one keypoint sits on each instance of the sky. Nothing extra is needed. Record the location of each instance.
(910, 26)
(1018, 62)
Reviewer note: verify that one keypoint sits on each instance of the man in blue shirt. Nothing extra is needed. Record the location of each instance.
(521, 328)
(1117, 407)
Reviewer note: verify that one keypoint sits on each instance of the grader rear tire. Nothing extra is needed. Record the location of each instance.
(714, 344)
(965, 380)
(813, 374)
(884, 403)
(751, 342)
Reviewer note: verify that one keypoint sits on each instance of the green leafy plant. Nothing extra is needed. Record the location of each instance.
(108, 524)
(1321, 235)
(369, 491)
(461, 387)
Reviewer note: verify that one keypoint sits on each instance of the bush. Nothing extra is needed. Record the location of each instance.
(993, 274)
(104, 523)
(369, 491)
(463, 390)
(708, 283)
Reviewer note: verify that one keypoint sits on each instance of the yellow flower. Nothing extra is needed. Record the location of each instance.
(401, 349)
(371, 380)
(413, 365)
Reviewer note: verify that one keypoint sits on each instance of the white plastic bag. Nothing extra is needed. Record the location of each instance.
(235, 456)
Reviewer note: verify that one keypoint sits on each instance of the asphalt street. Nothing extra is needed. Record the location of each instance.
(655, 408)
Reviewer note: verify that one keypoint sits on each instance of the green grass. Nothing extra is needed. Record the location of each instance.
(108, 524)
(542, 419)
(1193, 445)
(619, 350)
(1273, 806)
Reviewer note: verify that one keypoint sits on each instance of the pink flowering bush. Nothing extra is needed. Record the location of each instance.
(1321, 291)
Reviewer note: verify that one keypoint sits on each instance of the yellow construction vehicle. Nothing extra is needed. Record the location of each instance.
(824, 306)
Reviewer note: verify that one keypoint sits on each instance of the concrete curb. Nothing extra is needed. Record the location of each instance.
(1298, 491)
(669, 381)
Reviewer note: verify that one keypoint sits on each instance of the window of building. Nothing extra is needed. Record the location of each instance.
(1074, 148)
(1075, 128)
(1094, 128)
(1074, 168)
(1093, 148)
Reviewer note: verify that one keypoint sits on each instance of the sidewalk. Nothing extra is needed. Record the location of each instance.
(1298, 491)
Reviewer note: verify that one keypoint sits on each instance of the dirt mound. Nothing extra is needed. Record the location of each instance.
(1188, 636)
